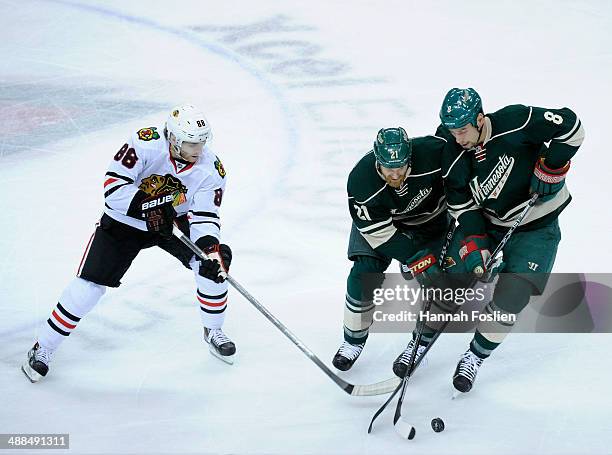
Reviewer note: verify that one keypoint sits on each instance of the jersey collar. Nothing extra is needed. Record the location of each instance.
(489, 130)
(179, 166)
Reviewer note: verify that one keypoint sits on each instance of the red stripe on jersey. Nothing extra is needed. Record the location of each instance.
(109, 181)
(85, 253)
(61, 321)
(189, 166)
(204, 302)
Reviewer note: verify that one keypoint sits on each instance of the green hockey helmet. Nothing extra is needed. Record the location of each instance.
(460, 107)
(393, 147)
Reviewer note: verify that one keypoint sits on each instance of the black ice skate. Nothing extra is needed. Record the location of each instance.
(466, 371)
(37, 364)
(400, 365)
(347, 355)
(220, 345)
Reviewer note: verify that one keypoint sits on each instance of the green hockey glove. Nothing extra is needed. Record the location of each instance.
(474, 253)
(424, 268)
(547, 181)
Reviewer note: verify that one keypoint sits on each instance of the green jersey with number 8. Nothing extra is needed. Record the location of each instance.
(502, 166)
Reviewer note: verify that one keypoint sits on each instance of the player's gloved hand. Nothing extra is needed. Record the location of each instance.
(475, 253)
(406, 273)
(497, 266)
(156, 211)
(547, 181)
(216, 267)
(424, 267)
(160, 220)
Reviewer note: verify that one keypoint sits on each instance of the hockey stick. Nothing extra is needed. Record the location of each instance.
(490, 261)
(406, 378)
(377, 388)
(497, 250)
(411, 363)
(501, 245)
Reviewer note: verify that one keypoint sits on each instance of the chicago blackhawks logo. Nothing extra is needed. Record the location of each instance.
(219, 167)
(148, 134)
(156, 185)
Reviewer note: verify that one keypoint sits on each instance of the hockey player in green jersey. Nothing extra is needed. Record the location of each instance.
(505, 157)
(397, 202)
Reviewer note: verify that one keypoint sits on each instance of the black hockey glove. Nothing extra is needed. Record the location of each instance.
(214, 268)
(156, 211)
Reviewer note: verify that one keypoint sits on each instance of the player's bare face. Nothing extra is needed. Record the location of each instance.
(467, 137)
(190, 151)
(394, 176)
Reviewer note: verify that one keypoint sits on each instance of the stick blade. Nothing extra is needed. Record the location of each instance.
(379, 388)
(404, 429)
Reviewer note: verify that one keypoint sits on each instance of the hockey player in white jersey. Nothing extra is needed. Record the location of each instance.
(157, 178)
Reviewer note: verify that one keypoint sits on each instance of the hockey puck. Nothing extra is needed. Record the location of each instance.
(404, 429)
(437, 425)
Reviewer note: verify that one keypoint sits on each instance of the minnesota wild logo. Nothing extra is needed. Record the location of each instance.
(148, 134)
(449, 262)
(494, 183)
(219, 167)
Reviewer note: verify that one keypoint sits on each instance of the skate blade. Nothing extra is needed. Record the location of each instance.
(31, 374)
(229, 359)
(456, 393)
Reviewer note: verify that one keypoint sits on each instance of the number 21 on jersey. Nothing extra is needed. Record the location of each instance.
(362, 212)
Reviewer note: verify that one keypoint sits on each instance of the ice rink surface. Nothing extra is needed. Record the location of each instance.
(295, 92)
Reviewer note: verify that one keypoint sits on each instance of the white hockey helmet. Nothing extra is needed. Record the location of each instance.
(188, 124)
